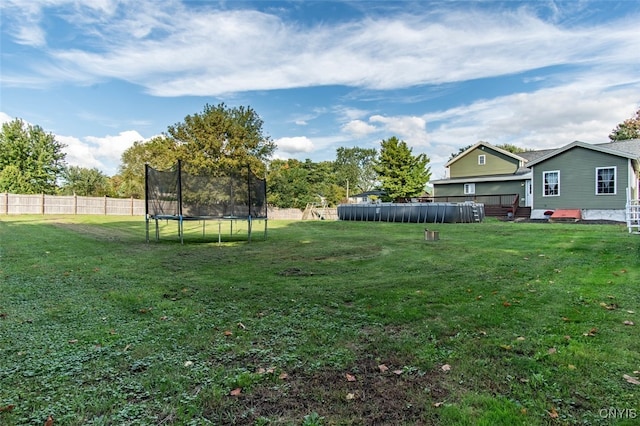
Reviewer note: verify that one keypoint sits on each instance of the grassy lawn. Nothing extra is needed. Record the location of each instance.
(322, 323)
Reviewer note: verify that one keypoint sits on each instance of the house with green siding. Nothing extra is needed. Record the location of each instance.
(597, 179)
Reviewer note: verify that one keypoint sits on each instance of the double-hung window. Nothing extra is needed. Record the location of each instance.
(605, 180)
(551, 183)
(469, 188)
(482, 160)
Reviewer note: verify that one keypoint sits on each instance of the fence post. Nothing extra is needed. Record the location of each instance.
(75, 203)
(42, 203)
(6, 203)
(132, 205)
(105, 205)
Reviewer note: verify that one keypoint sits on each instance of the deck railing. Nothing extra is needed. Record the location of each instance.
(496, 200)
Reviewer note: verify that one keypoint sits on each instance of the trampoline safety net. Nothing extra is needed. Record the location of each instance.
(177, 195)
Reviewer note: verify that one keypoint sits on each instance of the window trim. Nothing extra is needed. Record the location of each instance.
(471, 187)
(482, 159)
(544, 192)
(615, 180)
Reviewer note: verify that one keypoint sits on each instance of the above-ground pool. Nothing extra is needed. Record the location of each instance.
(413, 212)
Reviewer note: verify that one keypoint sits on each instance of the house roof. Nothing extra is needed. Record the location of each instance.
(488, 145)
(631, 146)
(628, 149)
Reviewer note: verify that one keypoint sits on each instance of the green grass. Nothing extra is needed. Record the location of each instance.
(497, 323)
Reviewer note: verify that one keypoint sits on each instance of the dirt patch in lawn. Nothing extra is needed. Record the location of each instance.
(372, 395)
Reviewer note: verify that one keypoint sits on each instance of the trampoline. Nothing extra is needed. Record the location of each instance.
(225, 197)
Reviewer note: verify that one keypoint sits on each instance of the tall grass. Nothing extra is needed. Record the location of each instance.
(321, 323)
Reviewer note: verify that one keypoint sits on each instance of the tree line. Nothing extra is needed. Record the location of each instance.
(215, 141)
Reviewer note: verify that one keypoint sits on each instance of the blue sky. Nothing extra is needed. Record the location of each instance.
(440, 75)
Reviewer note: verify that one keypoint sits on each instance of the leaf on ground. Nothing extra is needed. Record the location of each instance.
(521, 338)
(283, 376)
(398, 372)
(631, 312)
(236, 392)
(591, 332)
(445, 367)
(242, 326)
(553, 413)
(631, 379)
(611, 307)
(188, 363)
(383, 368)
(506, 347)
(552, 351)
(350, 396)
(228, 333)
(506, 304)
(7, 408)
(49, 421)
(72, 341)
(571, 367)
(628, 322)
(437, 404)
(350, 377)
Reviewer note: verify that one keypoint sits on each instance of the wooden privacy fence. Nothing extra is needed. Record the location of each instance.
(69, 204)
(73, 204)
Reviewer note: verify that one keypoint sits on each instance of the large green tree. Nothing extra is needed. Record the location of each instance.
(401, 173)
(628, 129)
(294, 184)
(31, 160)
(354, 167)
(223, 138)
(288, 184)
(85, 182)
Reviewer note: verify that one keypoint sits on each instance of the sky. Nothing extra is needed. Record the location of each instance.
(439, 75)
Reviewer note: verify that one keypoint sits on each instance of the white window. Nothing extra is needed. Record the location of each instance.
(551, 183)
(469, 188)
(482, 159)
(605, 180)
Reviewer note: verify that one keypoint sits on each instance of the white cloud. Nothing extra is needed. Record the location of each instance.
(170, 50)
(103, 153)
(5, 118)
(359, 128)
(406, 128)
(294, 145)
